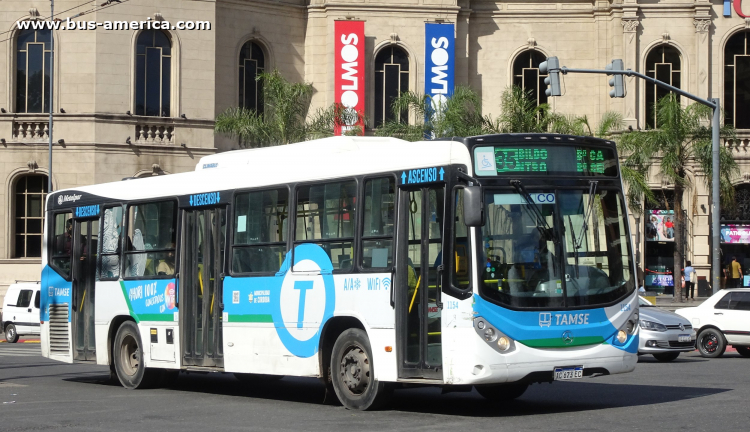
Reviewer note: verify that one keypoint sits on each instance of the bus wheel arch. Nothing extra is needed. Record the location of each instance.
(128, 359)
(328, 335)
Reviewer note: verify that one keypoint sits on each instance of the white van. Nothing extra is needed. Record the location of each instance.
(21, 311)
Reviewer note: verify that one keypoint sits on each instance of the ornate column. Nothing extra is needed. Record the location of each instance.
(630, 25)
(703, 56)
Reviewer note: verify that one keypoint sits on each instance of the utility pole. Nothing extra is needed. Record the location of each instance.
(51, 92)
(616, 68)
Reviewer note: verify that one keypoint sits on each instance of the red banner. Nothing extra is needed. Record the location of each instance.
(349, 79)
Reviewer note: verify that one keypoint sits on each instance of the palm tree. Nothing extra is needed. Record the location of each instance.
(459, 115)
(284, 119)
(681, 141)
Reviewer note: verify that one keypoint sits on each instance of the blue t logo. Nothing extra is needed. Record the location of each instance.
(302, 286)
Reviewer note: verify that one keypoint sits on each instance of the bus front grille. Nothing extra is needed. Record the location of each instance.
(59, 337)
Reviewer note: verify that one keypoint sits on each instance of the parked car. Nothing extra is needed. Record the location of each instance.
(21, 311)
(664, 334)
(723, 319)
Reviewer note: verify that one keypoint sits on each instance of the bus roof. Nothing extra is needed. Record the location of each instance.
(306, 161)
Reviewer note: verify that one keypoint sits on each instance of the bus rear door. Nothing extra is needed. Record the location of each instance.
(201, 279)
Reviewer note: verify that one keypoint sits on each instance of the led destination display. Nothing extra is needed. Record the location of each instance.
(545, 160)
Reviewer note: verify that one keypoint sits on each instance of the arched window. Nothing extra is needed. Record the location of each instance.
(153, 74)
(29, 194)
(737, 81)
(391, 79)
(526, 75)
(741, 209)
(252, 64)
(33, 69)
(662, 63)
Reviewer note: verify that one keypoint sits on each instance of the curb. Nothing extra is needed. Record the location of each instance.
(23, 341)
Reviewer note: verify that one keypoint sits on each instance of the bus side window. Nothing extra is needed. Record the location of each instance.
(62, 243)
(151, 229)
(260, 231)
(377, 230)
(326, 215)
(461, 248)
(111, 240)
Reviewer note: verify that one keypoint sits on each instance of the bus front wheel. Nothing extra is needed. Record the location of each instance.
(128, 359)
(501, 392)
(352, 372)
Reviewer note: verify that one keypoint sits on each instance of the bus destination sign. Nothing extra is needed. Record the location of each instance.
(545, 161)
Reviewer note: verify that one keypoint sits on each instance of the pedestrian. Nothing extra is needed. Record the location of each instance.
(690, 281)
(736, 273)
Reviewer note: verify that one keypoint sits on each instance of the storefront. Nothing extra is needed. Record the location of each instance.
(659, 234)
(735, 242)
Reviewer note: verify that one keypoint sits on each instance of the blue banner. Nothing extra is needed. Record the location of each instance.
(440, 56)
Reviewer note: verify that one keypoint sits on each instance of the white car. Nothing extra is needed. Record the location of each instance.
(723, 319)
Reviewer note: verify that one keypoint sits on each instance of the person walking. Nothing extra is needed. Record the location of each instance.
(689, 281)
(736, 275)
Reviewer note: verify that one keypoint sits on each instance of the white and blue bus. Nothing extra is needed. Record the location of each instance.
(495, 261)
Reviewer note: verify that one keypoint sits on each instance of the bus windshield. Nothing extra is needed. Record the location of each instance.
(555, 248)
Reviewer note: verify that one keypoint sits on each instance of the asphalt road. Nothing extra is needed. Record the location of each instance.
(690, 393)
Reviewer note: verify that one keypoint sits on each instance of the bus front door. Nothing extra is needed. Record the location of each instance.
(201, 277)
(419, 259)
(85, 247)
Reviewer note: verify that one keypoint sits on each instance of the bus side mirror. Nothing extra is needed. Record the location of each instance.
(473, 207)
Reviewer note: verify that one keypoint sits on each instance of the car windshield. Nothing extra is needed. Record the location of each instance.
(554, 248)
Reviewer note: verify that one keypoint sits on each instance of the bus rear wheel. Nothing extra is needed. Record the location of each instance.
(128, 359)
(501, 392)
(352, 372)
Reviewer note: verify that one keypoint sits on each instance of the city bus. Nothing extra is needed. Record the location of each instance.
(494, 261)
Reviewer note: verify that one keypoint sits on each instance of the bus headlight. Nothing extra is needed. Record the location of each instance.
(494, 337)
(503, 343)
(622, 336)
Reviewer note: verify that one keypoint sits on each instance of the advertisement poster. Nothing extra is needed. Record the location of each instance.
(660, 225)
(349, 80)
(440, 58)
(735, 234)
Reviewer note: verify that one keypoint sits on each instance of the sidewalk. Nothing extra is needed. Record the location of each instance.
(671, 303)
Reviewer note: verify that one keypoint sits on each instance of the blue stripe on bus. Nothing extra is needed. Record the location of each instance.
(545, 328)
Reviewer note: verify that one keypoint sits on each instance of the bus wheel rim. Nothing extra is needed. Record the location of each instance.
(129, 356)
(355, 370)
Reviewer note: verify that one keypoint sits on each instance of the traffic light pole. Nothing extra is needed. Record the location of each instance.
(715, 105)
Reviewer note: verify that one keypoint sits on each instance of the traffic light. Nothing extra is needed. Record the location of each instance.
(617, 82)
(551, 66)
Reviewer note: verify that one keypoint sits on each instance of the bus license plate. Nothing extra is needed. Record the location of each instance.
(568, 373)
(684, 338)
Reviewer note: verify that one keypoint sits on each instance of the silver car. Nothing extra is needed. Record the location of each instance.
(664, 334)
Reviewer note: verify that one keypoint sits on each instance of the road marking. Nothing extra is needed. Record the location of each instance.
(20, 352)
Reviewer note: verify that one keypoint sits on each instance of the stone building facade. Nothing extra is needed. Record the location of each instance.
(142, 102)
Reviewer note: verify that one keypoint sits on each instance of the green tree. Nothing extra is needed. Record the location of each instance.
(284, 118)
(459, 115)
(682, 139)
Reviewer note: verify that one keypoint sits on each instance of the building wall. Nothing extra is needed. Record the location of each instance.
(95, 76)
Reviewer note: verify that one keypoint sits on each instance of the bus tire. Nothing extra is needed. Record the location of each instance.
(744, 351)
(502, 392)
(128, 359)
(352, 372)
(11, 335)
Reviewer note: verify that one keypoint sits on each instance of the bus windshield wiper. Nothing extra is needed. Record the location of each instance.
(585, 226)
(541, 222)
(575, 248)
